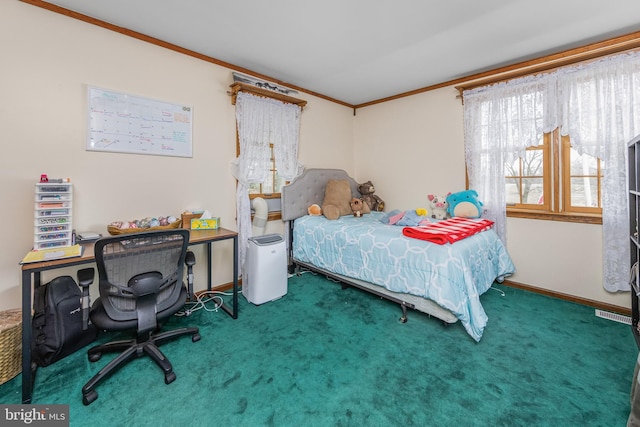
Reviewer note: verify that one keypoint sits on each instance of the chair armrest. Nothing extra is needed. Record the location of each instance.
(85, 277)
(190, 260)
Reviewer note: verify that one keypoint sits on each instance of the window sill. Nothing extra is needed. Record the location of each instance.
(272, 216)
(265, 196)
(563, 217)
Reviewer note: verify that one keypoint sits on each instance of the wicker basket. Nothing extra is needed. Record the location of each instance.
(10, 344)
(114, 231)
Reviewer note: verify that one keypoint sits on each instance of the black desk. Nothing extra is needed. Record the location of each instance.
(31, 280)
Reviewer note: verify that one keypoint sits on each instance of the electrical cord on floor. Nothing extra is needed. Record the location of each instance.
(499, 290)
(300, 273)
(202, 299)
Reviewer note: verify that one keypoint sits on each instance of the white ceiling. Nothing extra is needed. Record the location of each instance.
(357, 51)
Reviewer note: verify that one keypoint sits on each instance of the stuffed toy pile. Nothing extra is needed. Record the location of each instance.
(337, 196)
(339, 201)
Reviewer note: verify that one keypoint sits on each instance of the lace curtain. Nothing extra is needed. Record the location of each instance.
(596, 104)
(500, 122)
(262, 121)
(601, 113)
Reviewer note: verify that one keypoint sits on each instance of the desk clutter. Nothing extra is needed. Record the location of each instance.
(197, 220)
(145, 224)
(55, 237)
(49, 254)
(200, 220)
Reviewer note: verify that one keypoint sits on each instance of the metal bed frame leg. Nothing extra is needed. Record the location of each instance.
(404, 318)
(291, 266)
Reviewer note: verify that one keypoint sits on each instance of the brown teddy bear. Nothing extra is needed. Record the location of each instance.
(337, 195)
(375, 203)
(359, 207)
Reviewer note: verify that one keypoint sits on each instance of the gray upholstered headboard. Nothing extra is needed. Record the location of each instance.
(308, 189)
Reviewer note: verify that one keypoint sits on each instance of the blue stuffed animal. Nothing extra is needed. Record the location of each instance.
(410, 218)
(464, 204)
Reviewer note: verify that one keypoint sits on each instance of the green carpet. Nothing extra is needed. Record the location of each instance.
(323, 356)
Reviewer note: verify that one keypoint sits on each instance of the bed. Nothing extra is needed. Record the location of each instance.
(444, 281)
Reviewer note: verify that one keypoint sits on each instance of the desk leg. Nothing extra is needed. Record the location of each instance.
(28, 376)
(209, 275)
(233, 311)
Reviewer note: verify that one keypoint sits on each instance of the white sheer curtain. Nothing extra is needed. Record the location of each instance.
(262, 121)
(597, 104)
(601, 113)
(500, 122)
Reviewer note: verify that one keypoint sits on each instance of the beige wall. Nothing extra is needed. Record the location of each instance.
(409, 148)
(48, 60)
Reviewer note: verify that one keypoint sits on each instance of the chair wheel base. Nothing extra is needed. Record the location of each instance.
(169, 378)
(195, 337)
(90, 397)
(94, 357)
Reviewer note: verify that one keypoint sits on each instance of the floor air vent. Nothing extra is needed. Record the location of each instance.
(614, 316)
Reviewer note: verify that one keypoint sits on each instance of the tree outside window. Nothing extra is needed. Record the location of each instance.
(554, 178)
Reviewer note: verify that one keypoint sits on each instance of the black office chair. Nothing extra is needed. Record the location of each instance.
(141, 284)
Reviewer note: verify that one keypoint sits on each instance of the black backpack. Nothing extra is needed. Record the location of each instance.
(57, 325)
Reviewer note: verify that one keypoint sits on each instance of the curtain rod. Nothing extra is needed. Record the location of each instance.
(594, 51)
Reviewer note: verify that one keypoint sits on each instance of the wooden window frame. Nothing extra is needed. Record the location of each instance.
(565, 143)
(546, 179)
(558, 170)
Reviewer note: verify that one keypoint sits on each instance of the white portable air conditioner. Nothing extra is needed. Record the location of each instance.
(266, 269)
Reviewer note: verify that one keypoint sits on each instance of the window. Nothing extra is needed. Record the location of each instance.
(269, 189)
(554, 181)
(583, 181)
(273, 184)
(268, 129)
(526, 180)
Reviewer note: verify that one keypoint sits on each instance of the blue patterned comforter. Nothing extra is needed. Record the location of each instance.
(452, 275)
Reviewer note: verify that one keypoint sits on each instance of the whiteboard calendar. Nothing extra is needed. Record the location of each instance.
(124, 123)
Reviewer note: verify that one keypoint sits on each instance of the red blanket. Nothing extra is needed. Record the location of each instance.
(449, 230)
